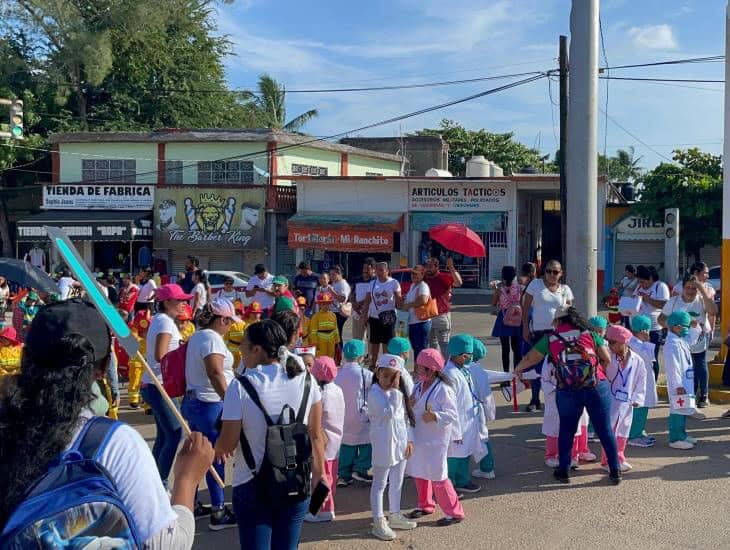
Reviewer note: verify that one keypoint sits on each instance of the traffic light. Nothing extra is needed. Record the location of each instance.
(16, 119)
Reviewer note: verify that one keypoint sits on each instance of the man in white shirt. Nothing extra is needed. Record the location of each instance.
(66, 283)
(384, 296)
(147, 288)
(259, 288)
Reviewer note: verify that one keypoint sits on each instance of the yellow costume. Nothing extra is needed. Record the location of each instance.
(323, 333)
(10, 359)
(186, 330)
(234, 339)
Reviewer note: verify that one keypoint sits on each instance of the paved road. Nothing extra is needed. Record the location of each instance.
(672, 499)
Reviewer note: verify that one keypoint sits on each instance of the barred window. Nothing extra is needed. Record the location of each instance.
(109, 170)
(174, 172)
(225, 172)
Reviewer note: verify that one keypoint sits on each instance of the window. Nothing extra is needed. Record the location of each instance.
(373, 173)
(225, 172)
(109, 170)
(307, 170)
(174, 172)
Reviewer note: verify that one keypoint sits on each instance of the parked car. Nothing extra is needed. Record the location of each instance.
(240, 280)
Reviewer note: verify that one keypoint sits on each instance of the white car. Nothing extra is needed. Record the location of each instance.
(714, 280)
(240, 280)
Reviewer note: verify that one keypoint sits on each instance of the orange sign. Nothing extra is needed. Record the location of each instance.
(341, 240)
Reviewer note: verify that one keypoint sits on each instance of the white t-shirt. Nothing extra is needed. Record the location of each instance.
(679, 288)
(696, 309)
(333, 418)
(202, 293)
(275, 390)
(342, 288)
(262, 298)
(545, 303)
(146, 291)
(628, 286)
(382, 296)
(161, 324)
(657, 291)
(202, 344)
(233, 295)
(65, 284)
(421, 289)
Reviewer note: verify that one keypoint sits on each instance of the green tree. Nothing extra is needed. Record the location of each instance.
(502, 149)
(693, 184)
(621, 167)
(271, 105)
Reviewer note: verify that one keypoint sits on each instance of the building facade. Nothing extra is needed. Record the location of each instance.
(420, 153)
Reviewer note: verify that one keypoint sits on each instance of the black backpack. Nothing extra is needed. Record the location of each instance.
(285, 474)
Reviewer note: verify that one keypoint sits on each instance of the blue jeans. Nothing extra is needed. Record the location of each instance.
(536, 384)
(699, 366)
(261, 527)
(418, 334)
(168, 431)
(597, 401)
(202, 417)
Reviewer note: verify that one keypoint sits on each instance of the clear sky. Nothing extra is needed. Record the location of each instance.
(327, 43)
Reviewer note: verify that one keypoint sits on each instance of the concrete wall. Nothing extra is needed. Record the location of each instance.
(362, 166)
(352, 197)
(307, 156)
(422, 152)
(71, 156)
(196, 151)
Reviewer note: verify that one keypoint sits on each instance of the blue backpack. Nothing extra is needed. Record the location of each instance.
(75, 504)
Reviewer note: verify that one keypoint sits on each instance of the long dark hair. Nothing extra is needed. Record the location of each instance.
(202, 277)
(39, 412)
(271, 336)
(206, 317)
(508, 274)
(573, 317)
(406, 402)
(289, 321)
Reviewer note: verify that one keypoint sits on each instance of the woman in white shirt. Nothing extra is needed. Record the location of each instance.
(340, 292)
(66, 351)
(163, 337)
(278, 378)
(418, 295)
(208, 371)
(200, 292)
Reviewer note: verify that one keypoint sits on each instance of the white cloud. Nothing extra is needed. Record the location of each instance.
(654, 37)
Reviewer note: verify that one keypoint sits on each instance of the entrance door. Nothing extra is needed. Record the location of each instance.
(551, 239)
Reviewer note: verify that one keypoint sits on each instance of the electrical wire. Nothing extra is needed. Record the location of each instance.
(605, 121)
(637, 138)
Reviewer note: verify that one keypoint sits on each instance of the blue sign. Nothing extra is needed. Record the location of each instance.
(479, 222)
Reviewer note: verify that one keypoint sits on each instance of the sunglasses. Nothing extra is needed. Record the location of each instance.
(552, 271)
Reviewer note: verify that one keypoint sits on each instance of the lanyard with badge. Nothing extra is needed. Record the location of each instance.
(621, 394)
(475, 400)
(364, 389)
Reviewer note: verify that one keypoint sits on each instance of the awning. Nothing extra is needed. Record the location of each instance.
(88, 225)
(344, 233)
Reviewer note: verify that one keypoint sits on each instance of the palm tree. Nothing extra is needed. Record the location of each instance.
(271, 103)
(624, 166)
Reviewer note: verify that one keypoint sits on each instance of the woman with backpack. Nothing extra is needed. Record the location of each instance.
(579, 357)
(508, 326)
(270, 513)
(67, 350)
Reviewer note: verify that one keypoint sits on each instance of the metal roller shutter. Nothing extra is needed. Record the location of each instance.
(636, 253)
(214, 260)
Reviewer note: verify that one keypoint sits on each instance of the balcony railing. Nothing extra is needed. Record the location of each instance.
(281, 198)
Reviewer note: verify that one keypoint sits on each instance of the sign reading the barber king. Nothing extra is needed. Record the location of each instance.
(98, 197)
(461, 196)
(206, 217)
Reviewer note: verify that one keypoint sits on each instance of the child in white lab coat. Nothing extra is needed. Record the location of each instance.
(680, 379)
(627, 376)
(324, 371)
(639, 343)
(391, 435)
(355, 381)
(402, 348)
(434, 406)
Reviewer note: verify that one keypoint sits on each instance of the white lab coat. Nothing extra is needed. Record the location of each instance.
(407, 381)
(629, 381)
(431, 440)
(551, 418)
(355, 383)
(645, 350)
(333, 412)
(483, 392)
(678, 365)
(389, 429)
(470, 411)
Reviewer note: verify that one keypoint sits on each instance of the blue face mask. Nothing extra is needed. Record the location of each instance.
(684, 331)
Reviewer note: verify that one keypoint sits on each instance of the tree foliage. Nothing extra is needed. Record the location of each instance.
(622, 167)
(693, 184)
(271, 106)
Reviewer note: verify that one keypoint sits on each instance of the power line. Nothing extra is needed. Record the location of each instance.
(637, 138)
(708, 59)
(605, 122)
(650, 79)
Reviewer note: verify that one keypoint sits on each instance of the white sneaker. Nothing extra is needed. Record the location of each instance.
(624, 466)
(381, 530)
(483, 475)
(319, 518)
(699, 415)
(399, 521)
(587, 457)
(605, 468)
(691, 440)
(683, 445)
(552, 462)
(574, 464)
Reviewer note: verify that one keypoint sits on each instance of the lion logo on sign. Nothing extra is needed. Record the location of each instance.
(212, 214)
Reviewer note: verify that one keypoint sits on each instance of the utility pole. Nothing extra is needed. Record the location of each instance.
(725, 271)
(563, 62)
(582, 163)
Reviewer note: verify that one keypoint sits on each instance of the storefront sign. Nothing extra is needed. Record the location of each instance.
(195, 217)
(77, 231)
(98, 196)
(481, 222)
(460, 196)
(341, 240)
(636, 228)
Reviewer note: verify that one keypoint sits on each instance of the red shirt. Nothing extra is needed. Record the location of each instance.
(128, 297)
(440, 286)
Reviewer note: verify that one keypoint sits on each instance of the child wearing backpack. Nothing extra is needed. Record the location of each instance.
(324, 371)
(508, 326)
(391, 434)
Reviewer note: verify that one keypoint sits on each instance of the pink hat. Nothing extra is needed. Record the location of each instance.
(171, 292)
(324, 369)
(223, 307)
(431, 359)
(617, 333)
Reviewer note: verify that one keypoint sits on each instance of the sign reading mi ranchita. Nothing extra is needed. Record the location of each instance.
(98, 196)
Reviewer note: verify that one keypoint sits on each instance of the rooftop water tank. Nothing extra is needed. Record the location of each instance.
(436, 173)
(478, 167)
(496, 171)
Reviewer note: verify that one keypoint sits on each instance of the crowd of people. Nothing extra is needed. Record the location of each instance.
(305, 415)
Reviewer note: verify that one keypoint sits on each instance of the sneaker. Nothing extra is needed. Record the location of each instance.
(561, 475)
(703, 402)
(448, 520)
(201, 510)
(699, 415)
(605, 468)
(362, 477)
(641, 442)
(418, 513)
(399, 521)
(342, 482)
(319, 518)
(552, 462)
(614, 478)
(692, 440)
(134, 405)
(470, 488)
(539, 406)
(587, 457)
(483, 475)
(222, 519)
(682, 445)
(148, 412)
(625, 466)
(574, 465)
(531, 408)
(382, 530)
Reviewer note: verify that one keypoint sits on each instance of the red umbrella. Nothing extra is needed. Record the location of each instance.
(458, 238)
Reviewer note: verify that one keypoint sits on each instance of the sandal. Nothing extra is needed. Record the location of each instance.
(418, 513)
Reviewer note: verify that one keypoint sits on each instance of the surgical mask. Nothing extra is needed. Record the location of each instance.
(424, 378)
(684, 331)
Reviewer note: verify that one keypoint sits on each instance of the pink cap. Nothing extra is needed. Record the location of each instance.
(223, 307)
(431, 359)
(617, 333)
(171, 292)
(324, 369)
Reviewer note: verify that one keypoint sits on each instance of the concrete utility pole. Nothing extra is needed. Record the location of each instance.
(725, 271)
(563, 61)
(582, 162)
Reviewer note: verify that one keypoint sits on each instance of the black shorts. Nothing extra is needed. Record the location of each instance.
(380, 334)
